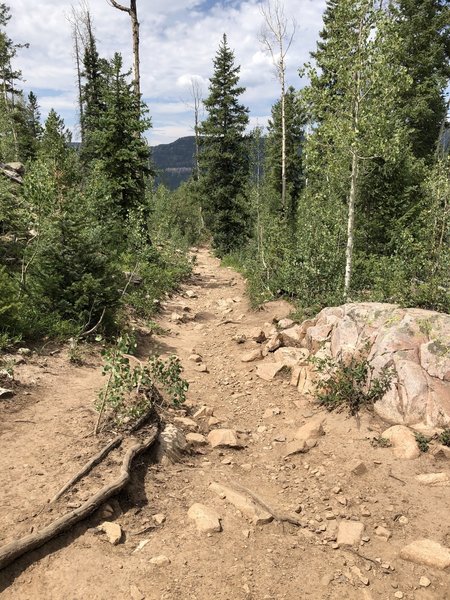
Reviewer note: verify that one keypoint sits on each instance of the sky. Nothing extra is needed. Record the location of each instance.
(179, 39)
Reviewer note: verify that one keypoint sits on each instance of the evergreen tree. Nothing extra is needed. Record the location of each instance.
(295, 124)
(10, 94)
(224, 156)
(424, 30)
(116, 142)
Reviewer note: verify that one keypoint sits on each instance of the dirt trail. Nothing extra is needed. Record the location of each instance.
(42, 437)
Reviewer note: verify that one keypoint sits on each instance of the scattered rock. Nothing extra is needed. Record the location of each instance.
(312, 430)
(176, 318)
(268, 371)
(358, 573)
(427, 552)
(350, 533)
(201, 368)
(172, 444)
(291, 357)
(292, 336)
(159, 518)
(196, 439)
(195, 358)
(160, 561)
(274, 343)
(271, 412)
(223, 438)
(257, 335)
(255, 354)
(206, 519)
(285, 323)
(243, 503)
(186, 422)
(190, 294)
(403, 442)
(357, 467)
(5, 393)
(213, 421)
(434, 479)
(24, 351)
(383, 533)
(299, 447)
(398, 594)
(424, 582)
(113, 532)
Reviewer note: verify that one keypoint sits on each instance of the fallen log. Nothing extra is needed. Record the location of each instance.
(88, 466)
(10, 552)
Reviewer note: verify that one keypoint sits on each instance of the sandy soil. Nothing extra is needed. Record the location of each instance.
(44, 439)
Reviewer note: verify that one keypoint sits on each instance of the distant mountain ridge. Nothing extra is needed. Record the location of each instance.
(174, 162)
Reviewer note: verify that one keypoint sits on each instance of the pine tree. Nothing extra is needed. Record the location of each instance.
(423, 27)
(117, 142)
(10, 94)
(295, 125)
(223, 155)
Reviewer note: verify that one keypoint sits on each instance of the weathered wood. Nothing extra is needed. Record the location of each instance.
(10, 552)
(91, 463)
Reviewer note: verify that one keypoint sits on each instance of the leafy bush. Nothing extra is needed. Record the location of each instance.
(130, 390)
(422, 441)
(444, 438)
(346, 386)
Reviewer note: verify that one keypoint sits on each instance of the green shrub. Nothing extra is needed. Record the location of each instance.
(422, 441)
(345, 386)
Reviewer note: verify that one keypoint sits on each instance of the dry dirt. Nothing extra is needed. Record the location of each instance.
(44, 436)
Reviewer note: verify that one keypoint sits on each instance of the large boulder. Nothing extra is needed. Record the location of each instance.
(413, 343)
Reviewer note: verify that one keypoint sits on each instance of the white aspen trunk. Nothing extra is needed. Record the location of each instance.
(135, 32)
(283, 139)
(351, 225)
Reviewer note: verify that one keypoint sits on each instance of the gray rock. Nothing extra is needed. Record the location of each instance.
(427, 552)
(350, 533)
(223, 438)
(5, 393)
(206, 519)
(246, 505)
(113, 532)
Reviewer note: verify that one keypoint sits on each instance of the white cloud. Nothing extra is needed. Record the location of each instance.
(178, 42)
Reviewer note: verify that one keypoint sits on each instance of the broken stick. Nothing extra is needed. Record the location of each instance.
(10, 552)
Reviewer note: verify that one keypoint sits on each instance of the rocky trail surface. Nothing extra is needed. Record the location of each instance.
(272, 498)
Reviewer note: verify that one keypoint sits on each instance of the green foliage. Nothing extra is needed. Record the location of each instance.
(349, 386)
(380, 442)
(130, 390)
(224, 156)
(444, 438)
(168, 374)
(422, 441)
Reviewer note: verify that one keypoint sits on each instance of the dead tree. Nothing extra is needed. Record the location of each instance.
(132, 11)
(277, 35)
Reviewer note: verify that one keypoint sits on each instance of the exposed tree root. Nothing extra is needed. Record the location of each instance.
(280, 517)
(88, 466)
(10, 552)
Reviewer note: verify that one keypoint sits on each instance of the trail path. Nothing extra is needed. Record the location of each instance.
(43, 442)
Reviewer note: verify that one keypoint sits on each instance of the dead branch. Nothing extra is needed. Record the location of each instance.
(91, 463)
(10, 552)
(280, 517)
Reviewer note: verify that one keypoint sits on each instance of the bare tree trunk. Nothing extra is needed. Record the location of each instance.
(196, 93)
(351, 225)
(132, 11)
(283, 141)
(275, 37)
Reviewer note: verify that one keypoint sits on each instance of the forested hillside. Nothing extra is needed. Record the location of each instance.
(349, 200)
